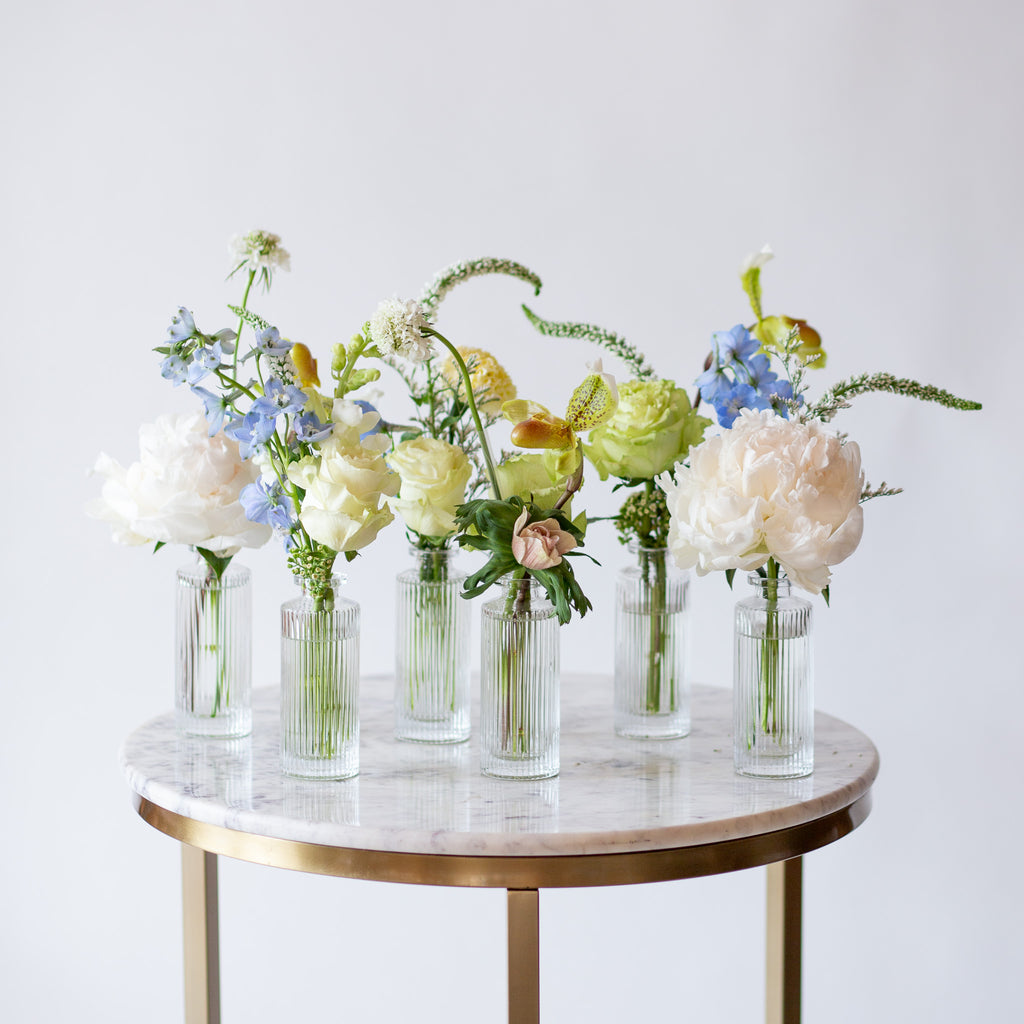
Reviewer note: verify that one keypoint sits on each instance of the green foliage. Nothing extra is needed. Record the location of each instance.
(644, 517)
(837, 397)
(252, 319)
(445, 280)
(618, 346)
(487, 525)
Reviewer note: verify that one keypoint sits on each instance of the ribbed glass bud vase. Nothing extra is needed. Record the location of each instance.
(519, 695)
(652, 699)
(432, 651)
(320, 684)
(773, 683)
(213, 651)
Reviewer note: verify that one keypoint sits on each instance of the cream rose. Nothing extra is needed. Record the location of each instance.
(346, 483)
(434, 477)
(183, 490)
(539, 545)
(768, 487)
(652, 429)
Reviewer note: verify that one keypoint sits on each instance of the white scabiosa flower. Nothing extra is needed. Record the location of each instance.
(397, 329)
(259, 250)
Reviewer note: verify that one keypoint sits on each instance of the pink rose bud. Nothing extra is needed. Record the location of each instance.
(539, 545)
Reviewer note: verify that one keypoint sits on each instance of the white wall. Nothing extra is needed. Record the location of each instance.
(631, 154)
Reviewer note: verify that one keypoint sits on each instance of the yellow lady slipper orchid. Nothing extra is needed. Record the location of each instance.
(592, 403)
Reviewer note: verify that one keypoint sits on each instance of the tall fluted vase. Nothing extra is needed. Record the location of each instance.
(432, 651)
(320, 684)
(652, 699)
(213, 651)
(773, 683)
(519, 683)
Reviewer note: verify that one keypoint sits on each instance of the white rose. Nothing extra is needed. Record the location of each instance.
(183, 490)
(768, 487)
(434, 478)
(345, 485)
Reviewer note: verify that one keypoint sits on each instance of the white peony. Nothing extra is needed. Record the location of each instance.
(434, 478)
(346, 482)
(183, 490)
(768, 487)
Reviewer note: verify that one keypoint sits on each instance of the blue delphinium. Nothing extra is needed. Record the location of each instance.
(267, 504)
(308, 428)
(279, 398)
(740, 378)
(251, 431)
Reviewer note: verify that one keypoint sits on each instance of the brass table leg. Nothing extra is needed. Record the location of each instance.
(523, 956)
(202, 939)
(785, 906)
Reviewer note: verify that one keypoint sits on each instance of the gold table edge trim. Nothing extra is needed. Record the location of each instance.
(504, 872)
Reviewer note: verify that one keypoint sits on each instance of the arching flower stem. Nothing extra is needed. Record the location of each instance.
(464, 371)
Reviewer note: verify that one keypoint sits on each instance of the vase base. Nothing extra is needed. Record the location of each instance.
(775, 771)
(432, 739)
(523, 771)
(227, 726)
(319, 768)
(654, 726)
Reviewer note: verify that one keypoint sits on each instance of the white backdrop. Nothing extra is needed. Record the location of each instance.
(632, 155)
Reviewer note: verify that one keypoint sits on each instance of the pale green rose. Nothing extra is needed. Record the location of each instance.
(540, 476)
(434, 476)
(653, 428)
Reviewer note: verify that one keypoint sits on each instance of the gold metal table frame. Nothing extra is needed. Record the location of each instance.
(522, 877)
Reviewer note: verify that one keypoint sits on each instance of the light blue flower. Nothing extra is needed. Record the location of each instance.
(742, 396)
(217, 407)
(715, 385)
(267, 504)
(182, 326)
(270, 343)
(174, 369)
(308, 428)
(735, 345)
(279, 398)
(251, 432)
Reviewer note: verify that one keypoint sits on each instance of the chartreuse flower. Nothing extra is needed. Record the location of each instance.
(653, 428)
(592, 403)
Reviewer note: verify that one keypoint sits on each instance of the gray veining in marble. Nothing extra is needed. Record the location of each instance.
(613, 795)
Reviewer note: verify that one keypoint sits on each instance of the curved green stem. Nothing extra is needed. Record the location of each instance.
(241, 320)
(461, 363)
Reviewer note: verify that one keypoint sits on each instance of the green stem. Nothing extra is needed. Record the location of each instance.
(460, 362)
(241, 320)
(770, 651)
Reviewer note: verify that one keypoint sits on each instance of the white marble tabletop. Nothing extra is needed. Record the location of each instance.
(612, 795)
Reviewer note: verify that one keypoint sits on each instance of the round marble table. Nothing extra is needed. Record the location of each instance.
(621, 811)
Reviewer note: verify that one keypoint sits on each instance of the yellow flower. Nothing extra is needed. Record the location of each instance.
(592, 403)
(492, 386)
(305, 365)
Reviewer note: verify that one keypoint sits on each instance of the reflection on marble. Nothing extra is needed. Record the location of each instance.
(613, 794)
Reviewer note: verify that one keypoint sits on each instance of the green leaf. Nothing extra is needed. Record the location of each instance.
(218, 563)
(751, 282)
(825, 594)
(158, 545)
(729, 574)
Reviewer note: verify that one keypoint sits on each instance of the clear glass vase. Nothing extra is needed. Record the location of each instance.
(652, 699)
(320, 684)
(213, 651)
(519, 698)
(773, 683)
(432, 651)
